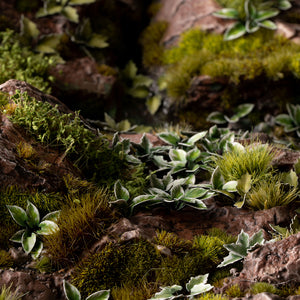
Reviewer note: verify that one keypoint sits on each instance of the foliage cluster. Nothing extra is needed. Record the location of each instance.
(21, 63)
(199, 52)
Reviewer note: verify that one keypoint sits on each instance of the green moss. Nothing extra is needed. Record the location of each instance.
(261, 287)
(6, 261)
(116, 265)
(211, 296)
(234, 291)
(246, 58)
(83, 220)
(150, 41)
(19, 62)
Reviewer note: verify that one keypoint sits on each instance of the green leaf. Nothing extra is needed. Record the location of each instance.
(81, 2)
(230, 186)
(29, 28)
(153, 104)
(196, 137)
(198, 285)
(244, 184)
(236, 147)
(98, 41)
(143, 199)
(130, 70)
(193, 154)
(110, 121)
(18, 214)
(235, 31)
(216, 117)
(141, 80)
(266, 14)
(291, 178)
(145, 143)
(120, 191)
(286, 121)
(167, 292)
(52, 10)
(71, 14)
(177, 192)
(268, 24)
(244, 109)
(284, 4)
(281, 230)
(160, 161)
(169, 138)
(178, 155)
(140, 92)
(52, 216)
(17, 237)
(195, 193)
(230, 259)
(100, 295)
(71, 292)
(240, 204)
(251, 26)
(28, 241)
(123, 125)
(156, 182)
(217, 179)
(195, 203)
(256, 239)
(48, 44)
(33, 215)
(47, 227)
(37, 249)
(227, 13)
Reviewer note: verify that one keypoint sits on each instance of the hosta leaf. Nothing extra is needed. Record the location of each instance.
(33, 215)
(251, 26)
(235, 146)
(227, 13)
(244, 184)
(216, 117)
(160, 161)
(120, 191)
(195, 193)
(37, 249)
(286, 121)
(71, 292)
(153, 104)
(230, 186)
(17, 237)
(230, 259)
(52, 216)
(193, 154)
(169, 138)
(144, 199)
(194, 202)
(71, 14)
(100, 295)
(233, 119)
(29, 28)
(28, 241)
(98, 41)
(198, 285)
(256, 239)
(145, 143)
(48, 44)
(235, 31)
(81, 2)
(156, 182)
(284, 4)
(177, 192)
(47, 227)
(178, 155)
(130, 70)
(268, 24)
(240, 204)
(266, 14)
(250, 10)
(244, 109)
(18, 214)
(167, 292)
(196, 137)
(217, 179)
(191, 179)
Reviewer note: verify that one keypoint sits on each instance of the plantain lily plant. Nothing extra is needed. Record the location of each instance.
(29, 237)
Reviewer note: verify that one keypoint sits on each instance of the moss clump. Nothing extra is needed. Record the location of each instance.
(211, 296)
(150, 41)
(234, 291)
(254, 160)
(116, 265)
(6, 261)
(261, 287)
(107, 70)
(20, 63)
(246, 58)
(82, 221)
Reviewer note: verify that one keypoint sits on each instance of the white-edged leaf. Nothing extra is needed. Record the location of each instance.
(227, 13)
(52, 10)
(195, 193)
(196, 137)
(109, 121)
(71, 292)
(17, 237)
(143, 199)
(169, 138)
(284, 4)
(167, 292)
(37, 249)
(244, 184)
(178, 155)
(198, 285)
(244, 109)
(71, 14)
(52, 216)
(256, 239)
(98, 41)
(28, 241)
(216, 117)
(235, 31)
(33, 215)
(235, 146)
(47, 227)
(193, 154)
(230, 186)
(217, 179)
(230, 259)
(266, 14)
(268, 24)
(18, 214)
(100, 295)
(153, 104)
(177, 192)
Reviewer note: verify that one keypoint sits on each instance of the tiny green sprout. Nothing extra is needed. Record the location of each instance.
(30, 219)
(242, 247)
(72, 293)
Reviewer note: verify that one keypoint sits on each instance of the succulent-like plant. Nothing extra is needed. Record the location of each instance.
(34, 227)
(242, 247)
(196, 286)
(241, 111)
(255, 17)
(72, 293)
(290, 121)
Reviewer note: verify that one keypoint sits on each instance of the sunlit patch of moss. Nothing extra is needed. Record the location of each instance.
(25, 150)
(82, 221)
(150, 41)
(116, 265)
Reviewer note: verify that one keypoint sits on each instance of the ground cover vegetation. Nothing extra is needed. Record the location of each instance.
(121, 178)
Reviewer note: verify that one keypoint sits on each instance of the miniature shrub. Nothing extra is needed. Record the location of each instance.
(82, 221)
(261, 287)
(253, 159)
(18, 62)
(116, 265)
(150, 41)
